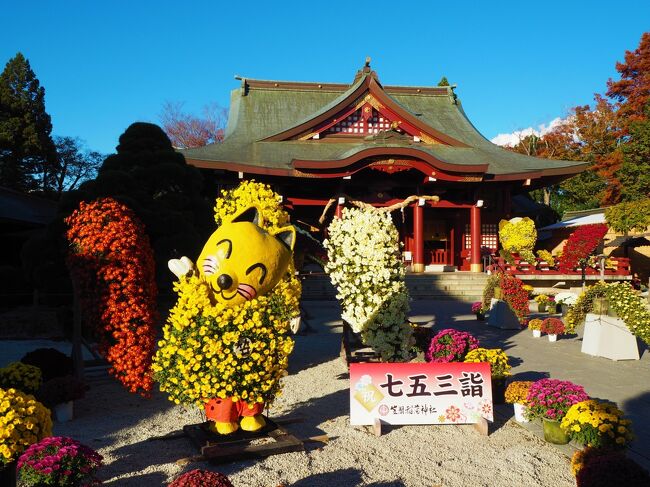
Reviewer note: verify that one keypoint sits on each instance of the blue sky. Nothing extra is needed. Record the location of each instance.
(107, 64)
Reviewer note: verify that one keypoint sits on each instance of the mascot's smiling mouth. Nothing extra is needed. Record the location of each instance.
(246, 291)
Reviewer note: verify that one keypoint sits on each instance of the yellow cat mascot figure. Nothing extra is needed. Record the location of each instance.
(225, 347)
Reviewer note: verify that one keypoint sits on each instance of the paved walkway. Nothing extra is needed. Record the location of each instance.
(625, 382)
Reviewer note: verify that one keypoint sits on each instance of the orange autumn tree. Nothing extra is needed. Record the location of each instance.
(112, 263)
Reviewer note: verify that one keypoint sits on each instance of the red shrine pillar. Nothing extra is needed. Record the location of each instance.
(417, 264)
(475, 233)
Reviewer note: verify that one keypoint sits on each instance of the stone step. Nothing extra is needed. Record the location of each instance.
(452, 285)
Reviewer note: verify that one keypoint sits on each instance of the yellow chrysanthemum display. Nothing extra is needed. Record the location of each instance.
(518, 235)
(597, 424)
(210, 350)
(23, 422)
(24, 377)
(496, 357)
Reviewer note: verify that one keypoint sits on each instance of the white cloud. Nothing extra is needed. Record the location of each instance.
(513, 138)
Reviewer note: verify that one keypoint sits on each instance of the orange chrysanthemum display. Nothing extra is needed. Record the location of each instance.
(111, 261)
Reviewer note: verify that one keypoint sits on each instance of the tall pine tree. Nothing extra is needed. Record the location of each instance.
(27, 152)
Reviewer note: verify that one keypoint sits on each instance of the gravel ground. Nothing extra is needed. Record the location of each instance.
(119, 426)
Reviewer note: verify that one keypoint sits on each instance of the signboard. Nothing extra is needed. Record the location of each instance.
(420, 393)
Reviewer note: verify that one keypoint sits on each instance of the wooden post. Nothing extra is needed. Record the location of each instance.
(77, 355)
(339, 211)
(417, 264)
(475, 235)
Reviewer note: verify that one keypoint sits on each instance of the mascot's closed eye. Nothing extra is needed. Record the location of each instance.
(241, 260)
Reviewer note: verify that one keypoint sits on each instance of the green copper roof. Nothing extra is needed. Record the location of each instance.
(260, 110)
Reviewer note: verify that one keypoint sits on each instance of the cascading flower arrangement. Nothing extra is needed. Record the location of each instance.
(553, 326)
(513, 292)
(365, 266)
(496, 357)
(201, 478)
(580, 245)
(622, 298)
(552, 398)
(597, 424)
(518, 235)
(198, 358)
(23, 422)
(59, 460)
(450, 346)
(111, 260)
(17, 375)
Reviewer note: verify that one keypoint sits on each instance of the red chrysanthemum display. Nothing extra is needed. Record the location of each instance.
(112, 263)
(580, 245)
(515, 295)
(201, 478)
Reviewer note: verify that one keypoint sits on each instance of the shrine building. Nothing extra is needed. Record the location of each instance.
(380, 145)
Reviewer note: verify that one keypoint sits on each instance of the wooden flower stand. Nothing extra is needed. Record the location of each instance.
(273, 439)
(352, 350)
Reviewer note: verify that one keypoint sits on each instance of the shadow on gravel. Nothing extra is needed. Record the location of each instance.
(139, 480)
(318, 411)
(344, 477)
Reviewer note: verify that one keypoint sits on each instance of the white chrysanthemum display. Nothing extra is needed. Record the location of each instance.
(365, 266)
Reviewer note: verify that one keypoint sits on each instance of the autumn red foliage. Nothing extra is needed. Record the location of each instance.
(186, 130)
(632, 91)
(512, 289)
(112, 264)
(580, 245)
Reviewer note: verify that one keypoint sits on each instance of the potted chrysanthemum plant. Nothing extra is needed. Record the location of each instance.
(553, 327)
(549, 400)
(59, 460)
(516, 394)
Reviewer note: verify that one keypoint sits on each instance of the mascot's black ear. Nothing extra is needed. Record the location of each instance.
(251, 214)
(287, 235)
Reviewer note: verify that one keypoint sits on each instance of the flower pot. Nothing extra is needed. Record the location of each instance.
(552, 337)
(537, 333)
(480, 316)
(553, 433)
(519, 412)
(564, 309)
(498, 390)
(64, 411)
(8, 474)
(541, 307)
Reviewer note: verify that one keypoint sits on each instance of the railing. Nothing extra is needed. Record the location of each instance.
(540, 267)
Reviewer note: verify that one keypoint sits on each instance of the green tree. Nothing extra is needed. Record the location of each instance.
(634, 173)
(27, 152)
(629, 216)
(154, 180)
